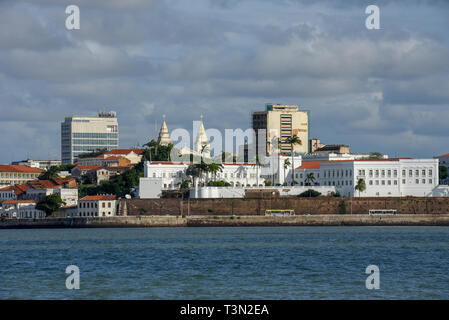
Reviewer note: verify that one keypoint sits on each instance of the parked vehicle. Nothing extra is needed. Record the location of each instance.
(279, 212)
(382, 211)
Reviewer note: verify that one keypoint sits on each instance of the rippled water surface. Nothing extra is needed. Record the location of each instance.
(226, 263)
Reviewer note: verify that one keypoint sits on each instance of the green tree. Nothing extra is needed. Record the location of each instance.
(360, 186)
(310, 179)
(194, 172)
(50, 204)
(52, 172)
(214, 168)
(92, 154)
(184, 184)
(157, 152)
(293, 140)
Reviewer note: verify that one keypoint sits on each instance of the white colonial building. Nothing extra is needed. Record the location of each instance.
(383, 177)
(160, 176)
(21, 209)
(97, 206)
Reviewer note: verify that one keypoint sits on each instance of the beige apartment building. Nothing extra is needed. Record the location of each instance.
(80, 135)
(282, 122)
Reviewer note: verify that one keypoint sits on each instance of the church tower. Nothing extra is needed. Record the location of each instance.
(164, 136)
(202, 144)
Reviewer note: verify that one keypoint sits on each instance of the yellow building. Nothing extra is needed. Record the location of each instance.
(282, 122)
(16, 174)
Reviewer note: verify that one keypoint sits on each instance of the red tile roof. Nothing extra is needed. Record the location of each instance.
(317, 164)
(310, 165)
(124, 151)
(8, 188)
(20, 188)
(43, 184)
(444, 155)
(17, 201)
(98, 197)
(19, 168)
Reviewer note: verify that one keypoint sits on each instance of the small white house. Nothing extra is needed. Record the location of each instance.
(97, 206)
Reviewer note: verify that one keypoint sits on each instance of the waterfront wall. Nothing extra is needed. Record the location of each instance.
(228, 221)
(302, 206)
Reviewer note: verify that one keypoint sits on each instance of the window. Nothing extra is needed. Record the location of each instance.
(417, 173)
(395, 182)
(389, 173)
(377, 182)
(423, 181)
(371, 182)
(103, 205)
(430, 172)
(383, 182)
(417, 181)
(389, 182)
(430, 181)
(423, 173)
(403, 173)
(383, 173)
(403, 181)
(371, 173)
(377, 173)
(410, 173)
(395, 173)
(109, 204)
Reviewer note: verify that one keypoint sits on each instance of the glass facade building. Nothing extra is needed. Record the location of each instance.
(81, 135)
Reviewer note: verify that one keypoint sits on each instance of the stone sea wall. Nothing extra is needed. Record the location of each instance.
(234, 221)
(321, 205)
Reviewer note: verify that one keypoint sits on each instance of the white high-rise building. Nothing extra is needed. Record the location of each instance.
(86, 134)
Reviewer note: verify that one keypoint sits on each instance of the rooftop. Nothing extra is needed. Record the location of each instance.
(19, 168)
(98, 198)
(18, 201)
(124, 151)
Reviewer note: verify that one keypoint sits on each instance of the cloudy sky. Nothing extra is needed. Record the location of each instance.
(381, 90)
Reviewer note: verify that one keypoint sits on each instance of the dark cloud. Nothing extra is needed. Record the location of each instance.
(383, 90)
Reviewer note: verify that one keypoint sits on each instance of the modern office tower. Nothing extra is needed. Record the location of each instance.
(280, 123)
(81, 135)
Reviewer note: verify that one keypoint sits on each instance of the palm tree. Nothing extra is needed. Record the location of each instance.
(214, 168)
(361, 186)
(286, 165)
(310, 178)
(194, 172)
(293, 140)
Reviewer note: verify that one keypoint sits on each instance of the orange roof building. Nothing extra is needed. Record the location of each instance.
(17, 174)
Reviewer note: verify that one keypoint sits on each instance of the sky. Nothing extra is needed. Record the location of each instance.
(383, 90)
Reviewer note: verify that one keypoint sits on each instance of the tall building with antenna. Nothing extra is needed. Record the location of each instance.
(80, 135)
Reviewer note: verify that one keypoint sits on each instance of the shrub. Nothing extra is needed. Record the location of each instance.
(310, 194)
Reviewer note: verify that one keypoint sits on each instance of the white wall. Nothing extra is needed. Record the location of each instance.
(150, 188)
(239, 192)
